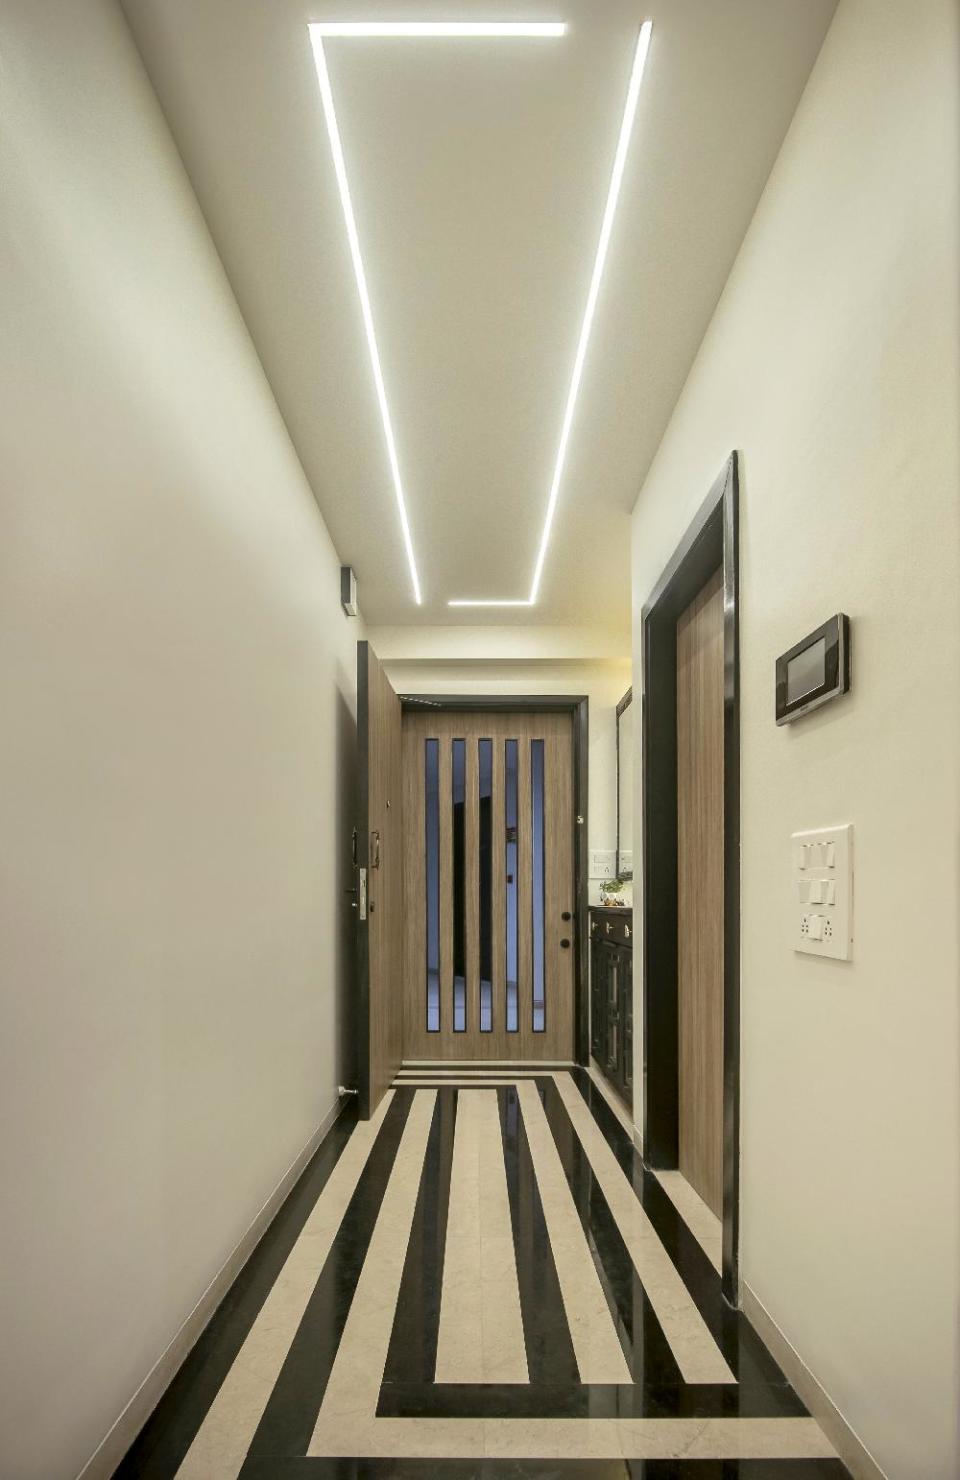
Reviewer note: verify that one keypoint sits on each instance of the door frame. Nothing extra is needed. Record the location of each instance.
(578, 707)
(711, 540)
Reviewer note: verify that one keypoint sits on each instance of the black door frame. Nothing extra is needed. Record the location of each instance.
(578, 706)
(711, 541)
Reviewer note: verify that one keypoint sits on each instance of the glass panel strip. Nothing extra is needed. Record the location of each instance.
(511, 807)
(459, 792)
(538, 889)
(485, 848)
(432, 874)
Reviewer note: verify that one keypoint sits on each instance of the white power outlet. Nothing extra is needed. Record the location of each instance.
(822, 885)
(603, 863)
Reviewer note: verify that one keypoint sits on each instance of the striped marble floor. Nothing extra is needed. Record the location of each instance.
(482, 1280)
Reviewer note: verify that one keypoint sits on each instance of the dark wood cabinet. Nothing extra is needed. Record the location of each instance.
(611, 995)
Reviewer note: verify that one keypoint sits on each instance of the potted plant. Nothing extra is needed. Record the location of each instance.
(611, 892)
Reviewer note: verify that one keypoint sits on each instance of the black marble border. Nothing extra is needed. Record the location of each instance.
(312, 1468)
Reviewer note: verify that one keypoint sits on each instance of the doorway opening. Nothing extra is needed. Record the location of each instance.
(691, 852)
(472, 879)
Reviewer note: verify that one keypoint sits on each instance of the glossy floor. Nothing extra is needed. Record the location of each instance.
(482, 1280)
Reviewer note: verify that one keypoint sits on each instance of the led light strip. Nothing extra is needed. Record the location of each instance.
(616, 180)
(396, 29)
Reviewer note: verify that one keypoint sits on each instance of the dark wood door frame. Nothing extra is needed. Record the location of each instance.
(578, 706)
(711, 541)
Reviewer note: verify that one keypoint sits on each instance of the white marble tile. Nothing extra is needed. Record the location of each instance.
(357, 1373)
(697, 1354)
(221, 1443)
(612, 1098)
(702, 1223)
(596, 1345)
(480, 1337)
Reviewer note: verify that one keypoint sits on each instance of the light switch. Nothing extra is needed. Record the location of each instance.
(603, 863)
(823, 880)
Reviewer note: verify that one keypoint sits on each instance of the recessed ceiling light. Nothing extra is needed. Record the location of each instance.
(410, 29)
(613, 194)
(461, 29)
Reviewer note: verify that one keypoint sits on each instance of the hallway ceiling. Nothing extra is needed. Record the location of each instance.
(479, 172)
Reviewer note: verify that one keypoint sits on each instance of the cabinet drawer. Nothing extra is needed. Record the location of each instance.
(614, 927)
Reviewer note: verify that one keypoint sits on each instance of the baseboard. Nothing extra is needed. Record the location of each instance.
(851, 1449)
(114, 1446)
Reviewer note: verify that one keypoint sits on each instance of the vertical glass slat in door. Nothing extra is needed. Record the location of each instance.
(511, 765)
(432, 875)
(459, 792)
(485, 848)
(539, 882)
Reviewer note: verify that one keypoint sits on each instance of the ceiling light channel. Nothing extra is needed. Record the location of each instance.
(613, 194)
(398, 30)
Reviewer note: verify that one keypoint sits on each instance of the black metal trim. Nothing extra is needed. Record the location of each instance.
(578, 706)
(362, 860)
(623, 705)
(711, 541)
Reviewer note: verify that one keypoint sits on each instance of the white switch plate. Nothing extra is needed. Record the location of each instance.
(821, 880)
(603, 863)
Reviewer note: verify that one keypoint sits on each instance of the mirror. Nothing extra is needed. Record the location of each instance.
(625, 740)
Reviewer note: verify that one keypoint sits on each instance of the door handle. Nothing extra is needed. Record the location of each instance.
(374, 850)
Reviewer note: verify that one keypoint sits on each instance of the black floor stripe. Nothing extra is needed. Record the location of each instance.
(160, 1447)
(744, 1352)
(412, 1354)
(291, 1413)
(550, 1354)
(645, 1345)
(539, 1469)
(593, 1400)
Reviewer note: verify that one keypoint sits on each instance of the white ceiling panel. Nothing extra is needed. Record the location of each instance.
(479, 171)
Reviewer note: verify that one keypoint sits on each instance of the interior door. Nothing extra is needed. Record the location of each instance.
(700, 890)
(489, 886)
(378, 897)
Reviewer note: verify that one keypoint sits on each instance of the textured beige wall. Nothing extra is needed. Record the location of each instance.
(178, 686)
(832, 364)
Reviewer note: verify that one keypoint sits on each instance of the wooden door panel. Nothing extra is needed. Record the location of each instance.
(559, 886)
(700, 890)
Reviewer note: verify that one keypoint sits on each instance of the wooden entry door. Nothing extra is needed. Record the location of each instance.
(700, 791)
(489, 886)
(378, 896)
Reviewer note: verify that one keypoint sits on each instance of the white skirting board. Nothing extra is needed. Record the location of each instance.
(851, 1449)
(114, 1446)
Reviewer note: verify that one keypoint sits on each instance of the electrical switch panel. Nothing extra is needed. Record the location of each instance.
(822, 881)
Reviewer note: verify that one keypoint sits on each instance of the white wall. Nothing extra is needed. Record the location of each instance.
(832, 364)
(178, 686)
(603, 682)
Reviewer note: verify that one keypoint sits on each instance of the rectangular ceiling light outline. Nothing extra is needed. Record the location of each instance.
(606, 229)
(395, 29)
